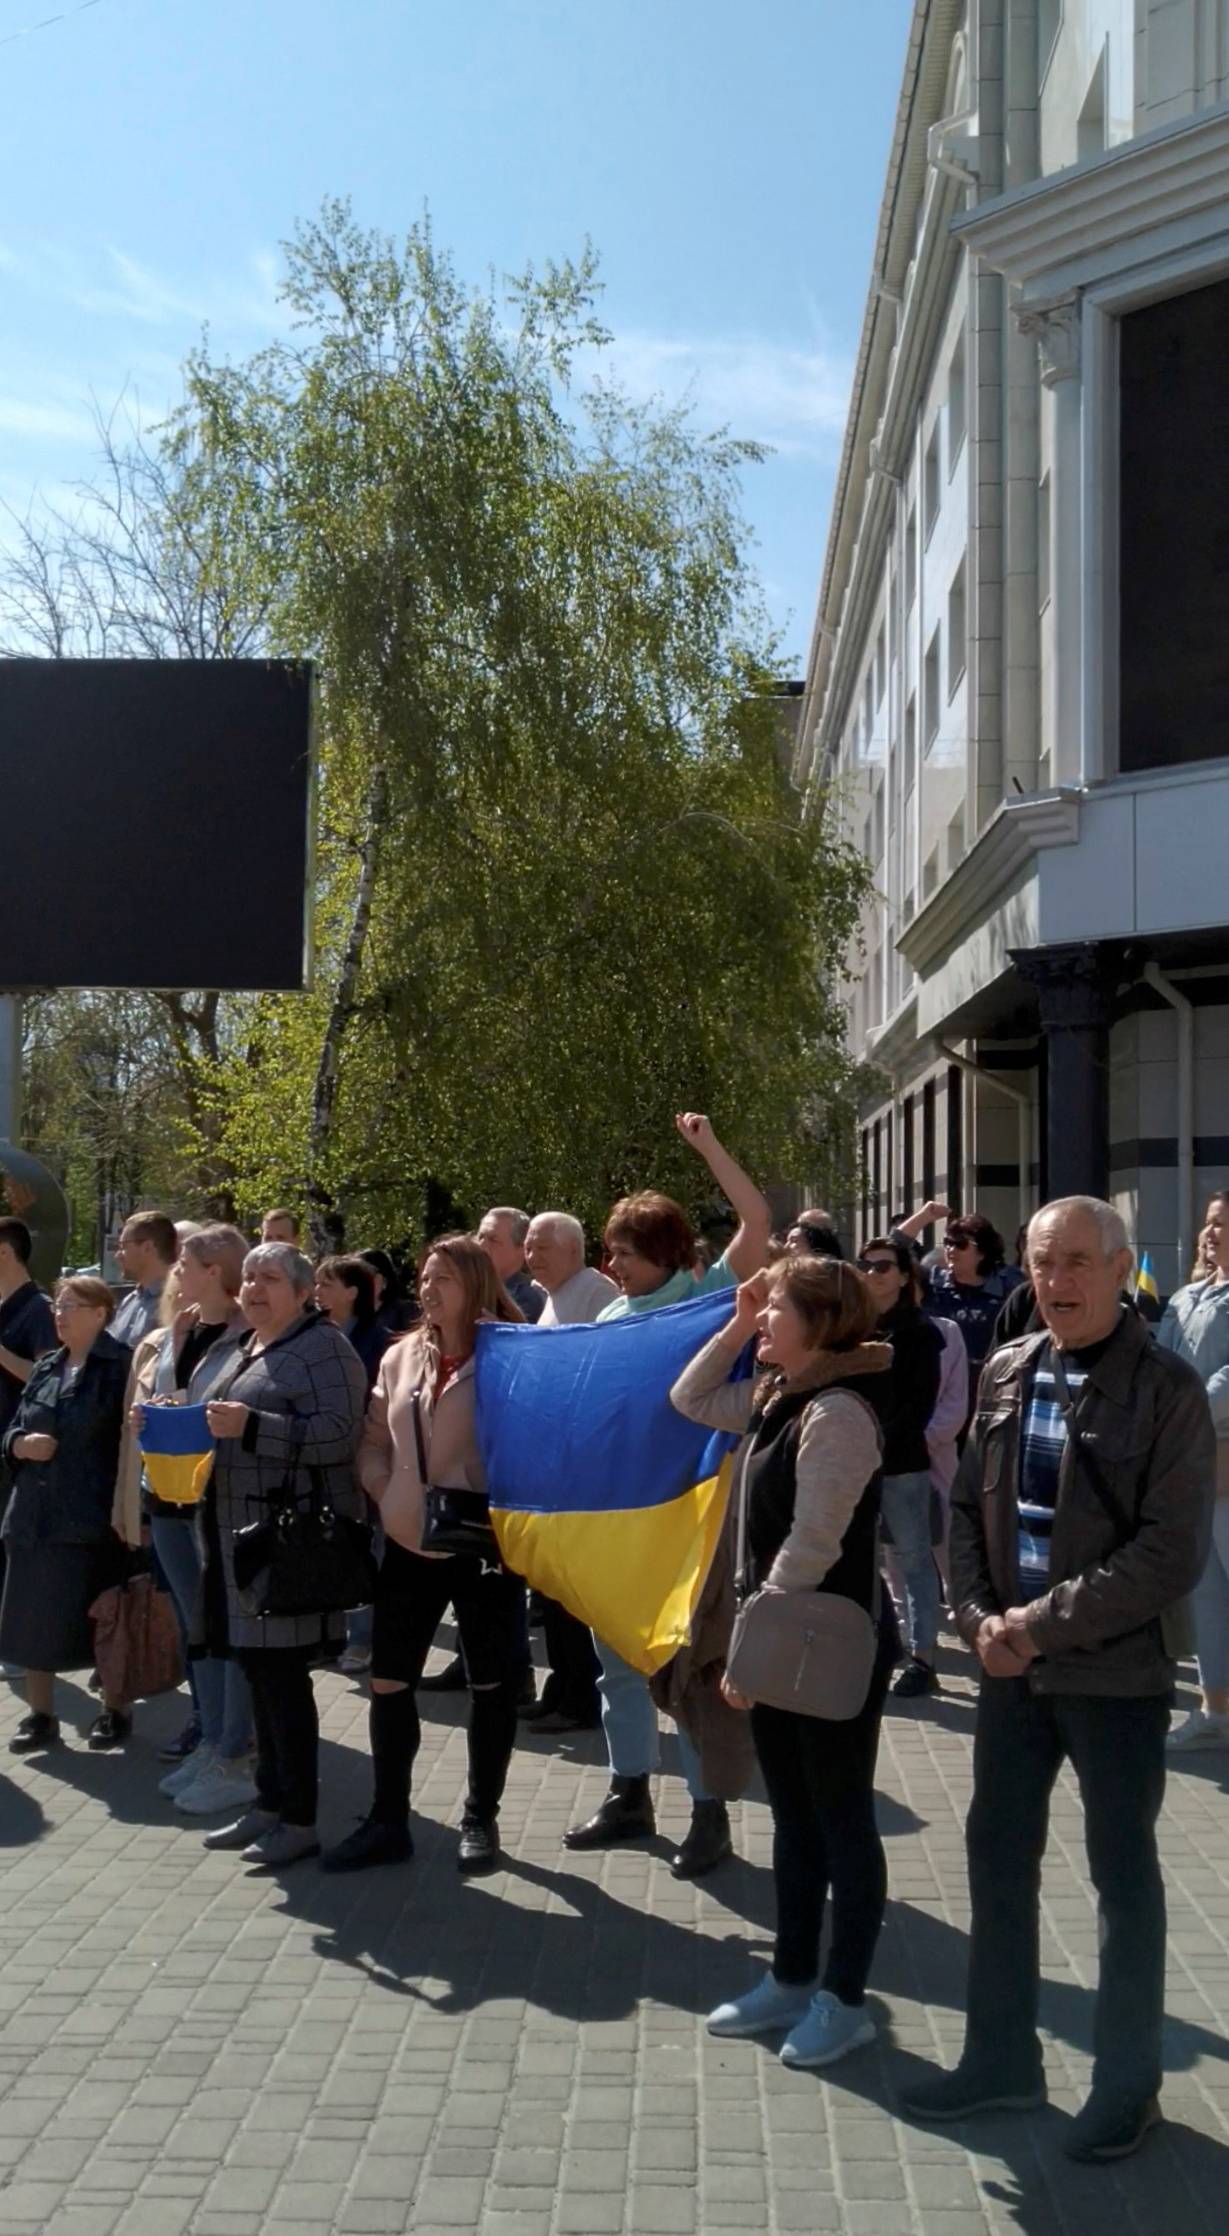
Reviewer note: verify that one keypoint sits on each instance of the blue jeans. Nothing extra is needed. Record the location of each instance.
(223, 1696)
(629, 1720)
(906, 1510)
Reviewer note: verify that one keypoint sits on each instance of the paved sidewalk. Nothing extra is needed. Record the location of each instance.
(185, 2047)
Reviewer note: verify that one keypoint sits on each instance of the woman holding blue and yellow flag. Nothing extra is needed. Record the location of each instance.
(651, 1253)
(810, 1476)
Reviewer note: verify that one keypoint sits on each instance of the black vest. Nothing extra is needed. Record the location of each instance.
(770, 1489)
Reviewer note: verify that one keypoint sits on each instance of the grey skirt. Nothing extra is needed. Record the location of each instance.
(48, 1592)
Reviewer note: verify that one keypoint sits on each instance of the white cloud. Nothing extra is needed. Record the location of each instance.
(793, 398)
(55, 422)
(111, 283)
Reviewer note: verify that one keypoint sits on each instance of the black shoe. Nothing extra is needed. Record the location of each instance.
(187, 1742)
(708, 1841)
(559, 1719)
(1110, 2126)
(479, 1849)
(33, 1733)
(370, 1843)
(973, 2088)
(450, 1679)
(528, 1694)
(110, 1729)
(625, 1814)
(917, 1677)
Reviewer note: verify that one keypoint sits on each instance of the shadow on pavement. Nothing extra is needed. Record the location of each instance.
(22, 1819)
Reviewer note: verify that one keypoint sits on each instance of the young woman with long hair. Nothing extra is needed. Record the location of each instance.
(420, 1430)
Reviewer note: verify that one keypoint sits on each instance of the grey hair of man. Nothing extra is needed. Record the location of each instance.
(1110, 1224)
(565, 1229)
(282, 1257)
(518, 1222)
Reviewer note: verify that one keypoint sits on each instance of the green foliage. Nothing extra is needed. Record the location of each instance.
(564, 886)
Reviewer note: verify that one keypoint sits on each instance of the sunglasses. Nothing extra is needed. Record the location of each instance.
(878, 1265)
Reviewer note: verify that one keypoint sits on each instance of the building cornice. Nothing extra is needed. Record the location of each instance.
(894, 1045)
(1042, 232)
(1019, 830)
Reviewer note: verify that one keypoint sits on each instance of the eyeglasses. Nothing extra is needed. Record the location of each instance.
(957, 1241)
(878, 1265)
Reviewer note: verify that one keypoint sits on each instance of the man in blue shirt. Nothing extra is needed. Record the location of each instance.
(147, 1249)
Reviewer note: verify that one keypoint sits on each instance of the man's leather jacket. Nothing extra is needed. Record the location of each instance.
(1100, 1627)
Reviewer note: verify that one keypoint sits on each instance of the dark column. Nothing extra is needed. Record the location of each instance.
(1075, 991)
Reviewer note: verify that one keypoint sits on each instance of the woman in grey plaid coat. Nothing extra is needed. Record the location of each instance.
(292, 1406)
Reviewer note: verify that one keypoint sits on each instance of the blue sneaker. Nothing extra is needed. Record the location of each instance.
(826, 2031)
(765, 2009)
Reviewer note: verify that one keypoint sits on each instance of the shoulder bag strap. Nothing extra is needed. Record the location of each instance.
(1081, 1451)
(419, 1439)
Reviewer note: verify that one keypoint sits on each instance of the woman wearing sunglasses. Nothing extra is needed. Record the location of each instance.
(917, 1351)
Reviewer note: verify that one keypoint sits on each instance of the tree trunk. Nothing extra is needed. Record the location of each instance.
(326, 1223)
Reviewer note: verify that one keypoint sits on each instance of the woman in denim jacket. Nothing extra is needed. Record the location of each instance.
(1196, 1325)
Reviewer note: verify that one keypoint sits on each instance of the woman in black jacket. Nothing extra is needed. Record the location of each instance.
(63, 1449)
(917, 1351)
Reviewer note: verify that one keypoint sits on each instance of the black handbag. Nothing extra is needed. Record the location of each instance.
(304, 1558)
(454, 1521)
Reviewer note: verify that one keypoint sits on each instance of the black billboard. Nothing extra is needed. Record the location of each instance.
(157, 823)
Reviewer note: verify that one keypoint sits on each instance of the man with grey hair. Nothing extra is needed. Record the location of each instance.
(501, 1233)
(1080, 1519)
(555, 1256)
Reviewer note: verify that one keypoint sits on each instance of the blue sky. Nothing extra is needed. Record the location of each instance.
(725, 156)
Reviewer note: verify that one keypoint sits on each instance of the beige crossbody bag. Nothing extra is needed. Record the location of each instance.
(812, 1652)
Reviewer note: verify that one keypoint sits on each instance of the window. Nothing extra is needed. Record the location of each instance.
(930, 873)
(910, 744)
(1043, 543)
(868, 837)
(930, 692)
(955, 406)
(877, 855)
(1090, 129)
(957, 633)
(1049, 16)
(868, 710)
(955, 840)
(881, 665)
(930, 480)
(911, 557)
(892, 614)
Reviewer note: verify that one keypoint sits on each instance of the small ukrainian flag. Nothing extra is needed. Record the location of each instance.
(178, 1452)
(1147, 1295)
(602, 1496)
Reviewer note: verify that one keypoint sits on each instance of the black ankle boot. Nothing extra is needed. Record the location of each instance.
(625, 1814)
(708, 1841)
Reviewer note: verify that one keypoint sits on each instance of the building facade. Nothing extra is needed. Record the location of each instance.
(1017, 692)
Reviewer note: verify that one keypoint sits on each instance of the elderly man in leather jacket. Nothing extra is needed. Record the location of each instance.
(1080, 1519)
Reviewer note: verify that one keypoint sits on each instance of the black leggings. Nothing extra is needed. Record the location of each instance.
(287, 1730)
(412, 1597)
(821, 1779)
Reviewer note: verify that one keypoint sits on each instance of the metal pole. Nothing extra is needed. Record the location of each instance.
(10, 1068)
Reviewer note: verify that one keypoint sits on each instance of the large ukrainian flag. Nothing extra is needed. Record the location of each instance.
(177, 1450)
(603, 1496)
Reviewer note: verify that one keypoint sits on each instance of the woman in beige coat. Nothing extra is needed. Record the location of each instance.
(420, 1428)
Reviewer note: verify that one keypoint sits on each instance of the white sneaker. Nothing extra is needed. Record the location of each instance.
(1199, 1730)
(767, 2008)
(188, 1771)
(221, 1785)
(827, 2031)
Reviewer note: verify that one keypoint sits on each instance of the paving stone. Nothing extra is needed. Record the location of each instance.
(181, 2053)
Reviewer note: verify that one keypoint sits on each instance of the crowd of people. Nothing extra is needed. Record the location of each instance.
(1015, 1443)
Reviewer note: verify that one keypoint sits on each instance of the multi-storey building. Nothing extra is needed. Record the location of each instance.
(1018, 684)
